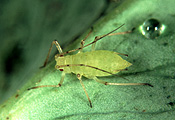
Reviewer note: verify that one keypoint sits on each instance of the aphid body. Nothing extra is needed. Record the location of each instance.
(106, 60)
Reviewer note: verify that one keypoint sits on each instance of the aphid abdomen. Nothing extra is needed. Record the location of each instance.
(102, 59)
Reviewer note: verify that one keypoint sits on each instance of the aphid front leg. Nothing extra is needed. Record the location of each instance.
(58, 47)
(59, 84)
(79, 77)
(106, 83)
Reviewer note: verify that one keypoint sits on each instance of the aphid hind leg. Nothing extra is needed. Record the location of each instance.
(81, 82)
(58, 47)
(106, 83)
(59, 84)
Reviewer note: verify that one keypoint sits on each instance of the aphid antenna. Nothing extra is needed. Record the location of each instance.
(58, 66)
(98, 38)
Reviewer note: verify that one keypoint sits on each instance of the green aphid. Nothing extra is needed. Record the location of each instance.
(90, 64)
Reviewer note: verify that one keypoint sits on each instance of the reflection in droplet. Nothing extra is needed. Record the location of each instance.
(152, 28)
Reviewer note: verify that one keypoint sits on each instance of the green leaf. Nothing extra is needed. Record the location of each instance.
(153, 62)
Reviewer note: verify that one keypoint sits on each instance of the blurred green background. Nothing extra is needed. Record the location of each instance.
(29, 27)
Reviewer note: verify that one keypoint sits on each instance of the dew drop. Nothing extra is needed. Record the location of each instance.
(152, 28)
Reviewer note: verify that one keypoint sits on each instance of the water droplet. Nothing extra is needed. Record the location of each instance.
(152, 28)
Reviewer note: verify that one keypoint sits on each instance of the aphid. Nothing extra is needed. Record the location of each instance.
(90, 64)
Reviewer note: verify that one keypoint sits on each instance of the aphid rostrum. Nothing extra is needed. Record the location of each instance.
(104, 63)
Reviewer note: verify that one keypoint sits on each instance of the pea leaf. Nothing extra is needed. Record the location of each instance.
(152, 59)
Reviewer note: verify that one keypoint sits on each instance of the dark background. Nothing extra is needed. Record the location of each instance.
(28, 27)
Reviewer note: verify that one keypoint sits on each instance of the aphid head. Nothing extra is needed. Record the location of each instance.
(58, 68)
(58, 55)
(59, 61)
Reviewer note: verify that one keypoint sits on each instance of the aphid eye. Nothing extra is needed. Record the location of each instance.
(61, 69)
(61, 55)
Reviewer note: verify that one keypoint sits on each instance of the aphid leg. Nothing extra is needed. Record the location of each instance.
(106, 83)
(121, 54)
(83, 41)
(109, 34)
(58, 47)
(79, 77)
(93, 41)
(59, 84)
(81, 46)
